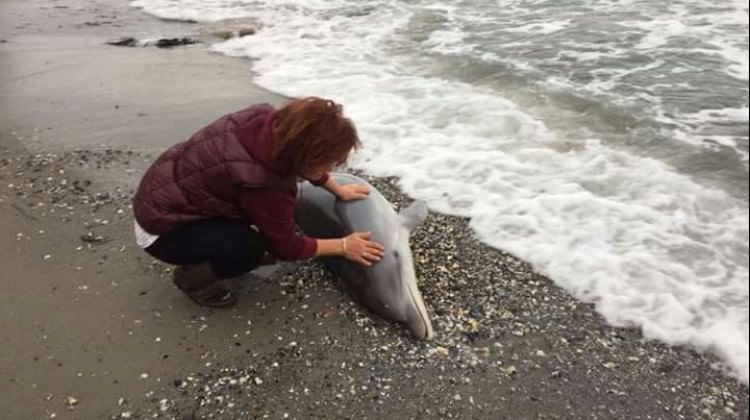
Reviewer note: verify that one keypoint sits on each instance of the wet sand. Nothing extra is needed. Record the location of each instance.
(93, 329)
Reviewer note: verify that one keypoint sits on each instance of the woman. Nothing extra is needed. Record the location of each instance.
(217, 203)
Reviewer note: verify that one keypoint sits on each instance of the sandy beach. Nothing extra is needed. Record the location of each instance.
(93, 329)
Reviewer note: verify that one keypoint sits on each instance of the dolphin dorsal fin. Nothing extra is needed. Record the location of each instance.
(414, 215)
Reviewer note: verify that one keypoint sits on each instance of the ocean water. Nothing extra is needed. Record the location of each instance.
(603, 141)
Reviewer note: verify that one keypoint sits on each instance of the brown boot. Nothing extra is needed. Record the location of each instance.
(201, 285)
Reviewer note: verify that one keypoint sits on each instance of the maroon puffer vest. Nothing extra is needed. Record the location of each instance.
(203, 177)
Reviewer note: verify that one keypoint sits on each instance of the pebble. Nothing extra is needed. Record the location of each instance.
(510, 370)
(442, 351)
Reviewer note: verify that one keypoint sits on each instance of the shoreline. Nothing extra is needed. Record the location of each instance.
(114, 336)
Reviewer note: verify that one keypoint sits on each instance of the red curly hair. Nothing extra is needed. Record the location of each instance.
(310, 132)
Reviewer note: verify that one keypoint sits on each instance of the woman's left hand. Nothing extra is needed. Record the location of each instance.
(352, 192)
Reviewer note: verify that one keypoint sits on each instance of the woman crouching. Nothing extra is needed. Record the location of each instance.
(222, 203)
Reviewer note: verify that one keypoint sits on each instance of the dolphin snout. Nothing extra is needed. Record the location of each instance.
(418, 322)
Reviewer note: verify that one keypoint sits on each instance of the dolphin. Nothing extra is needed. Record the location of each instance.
(388, 287)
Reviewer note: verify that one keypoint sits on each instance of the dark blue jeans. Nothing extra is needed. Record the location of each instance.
(231, 247)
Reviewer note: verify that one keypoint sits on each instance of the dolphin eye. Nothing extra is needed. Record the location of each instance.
(395, 254)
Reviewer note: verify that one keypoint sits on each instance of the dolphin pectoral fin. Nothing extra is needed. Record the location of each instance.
(414, 215)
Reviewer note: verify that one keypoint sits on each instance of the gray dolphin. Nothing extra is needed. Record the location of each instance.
(389, 287)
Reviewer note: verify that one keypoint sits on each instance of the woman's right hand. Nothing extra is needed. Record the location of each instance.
(359, 248)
